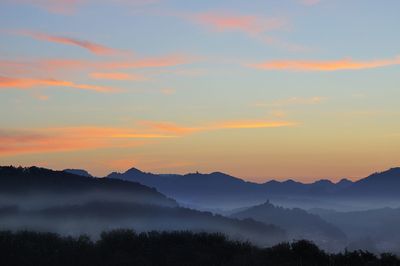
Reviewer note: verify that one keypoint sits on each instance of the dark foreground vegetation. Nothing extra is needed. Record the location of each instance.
(125, 247)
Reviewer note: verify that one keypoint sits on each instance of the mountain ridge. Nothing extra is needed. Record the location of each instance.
(231, 192)
(39, 198)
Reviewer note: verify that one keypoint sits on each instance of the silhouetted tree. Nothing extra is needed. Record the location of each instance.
(126, 247)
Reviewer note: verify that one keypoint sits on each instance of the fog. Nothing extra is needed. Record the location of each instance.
(95, 217)
(51, 201)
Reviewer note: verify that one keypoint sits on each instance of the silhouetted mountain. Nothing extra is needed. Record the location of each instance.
(78, 172)
(298, 223)
(46, 200)
(224, 191)
(383, 184)
(344, 183)
(198, 189)
(35, 186)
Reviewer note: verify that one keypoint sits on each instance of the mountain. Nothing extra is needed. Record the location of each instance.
(223, 191)
(58, 201)
(197, 189)
(298, 223)
(35, 186)
(374, 229)
(344, 183)
(78, 172)
(384, 184)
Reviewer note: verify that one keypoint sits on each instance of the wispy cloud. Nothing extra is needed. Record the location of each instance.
(325, 65)
(29, 83)
(88, 45)
(221, 125)
(116, 76)
(250, 24)
(64, 139)
(254, 124)
(94, 66)
(28, 74)
(257, 27)
(169, 127)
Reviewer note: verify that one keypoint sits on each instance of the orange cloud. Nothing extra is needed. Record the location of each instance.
(116, 76)
(254, 124)
(169, 127)
(334, 65)
(28, 83)
(91, 46)
(154, 62)
(252, 25)
(64, 139)
(246, 23)
(243, 124)
(60, 65)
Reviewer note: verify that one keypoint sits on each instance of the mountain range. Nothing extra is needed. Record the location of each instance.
(73, 202)
(224, 191)
(59, 201)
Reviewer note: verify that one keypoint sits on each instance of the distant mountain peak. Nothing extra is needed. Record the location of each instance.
(80, 172)
(219, 173)
(134, 170)
(390, 174)
(323, 181)
(344, 181)
(290, 181)
(273, 181)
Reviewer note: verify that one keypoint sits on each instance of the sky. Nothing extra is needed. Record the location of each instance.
(261, 89)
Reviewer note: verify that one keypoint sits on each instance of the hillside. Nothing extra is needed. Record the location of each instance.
(298, 223)
(46, 200)
(35, 186)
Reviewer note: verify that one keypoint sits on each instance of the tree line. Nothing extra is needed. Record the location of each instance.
(126, 247)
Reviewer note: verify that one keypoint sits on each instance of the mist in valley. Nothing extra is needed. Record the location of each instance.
(62, 202)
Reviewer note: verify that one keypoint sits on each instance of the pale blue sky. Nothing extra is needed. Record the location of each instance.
(209, 106)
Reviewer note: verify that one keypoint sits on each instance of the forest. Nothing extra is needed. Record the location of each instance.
(126, 247)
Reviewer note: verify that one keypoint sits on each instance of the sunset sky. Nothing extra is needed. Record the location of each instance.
(260, 89)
